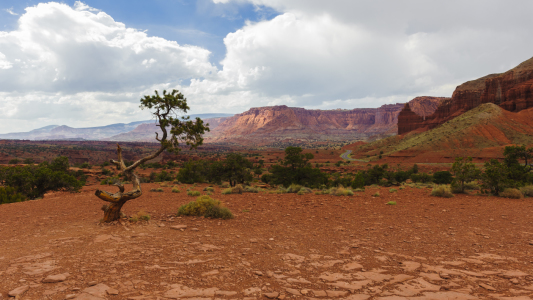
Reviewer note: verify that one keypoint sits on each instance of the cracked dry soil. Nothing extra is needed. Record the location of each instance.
(278, 246)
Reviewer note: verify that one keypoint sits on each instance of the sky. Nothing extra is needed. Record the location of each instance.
(88, 63)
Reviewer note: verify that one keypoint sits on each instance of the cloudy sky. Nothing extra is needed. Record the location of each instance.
(88, 63)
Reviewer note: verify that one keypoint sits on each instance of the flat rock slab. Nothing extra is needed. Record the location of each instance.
(178, 227)
(19, 291)
(181, 291)
(86, 296)
(55, 278)
(99, 290)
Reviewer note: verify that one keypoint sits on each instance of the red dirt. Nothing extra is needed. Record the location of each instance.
(356, 247)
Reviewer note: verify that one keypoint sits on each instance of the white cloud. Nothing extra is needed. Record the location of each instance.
(79, 65)
(10, 11)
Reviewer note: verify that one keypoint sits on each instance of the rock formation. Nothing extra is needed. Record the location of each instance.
(511, 90)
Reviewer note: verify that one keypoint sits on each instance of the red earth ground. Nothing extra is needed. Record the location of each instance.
(277, 246)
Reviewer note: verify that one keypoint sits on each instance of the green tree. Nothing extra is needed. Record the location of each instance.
(237, 169)
(464, 171)
(496, 176)
(166, 109)
(519, 161)
(296, 168)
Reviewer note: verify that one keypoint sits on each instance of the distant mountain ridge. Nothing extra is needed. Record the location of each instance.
(63, 132)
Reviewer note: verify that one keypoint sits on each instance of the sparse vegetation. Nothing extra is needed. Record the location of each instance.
(193, 193)
(207, 207)
(10, 195)
(442, 191)
(511, 193)
(176, 190)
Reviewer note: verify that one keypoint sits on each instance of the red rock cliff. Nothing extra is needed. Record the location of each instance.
(511, 90)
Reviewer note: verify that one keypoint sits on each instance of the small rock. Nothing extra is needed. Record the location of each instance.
(70, 296)
(55, 278)
(281, 297)
(253, 240)
(333, 294)
(258, 273)
(304, 292)
(92, 283)
(273, 295)
(195, 229)
(178, 227)
(112, 292)
(514, 281)
(293, 291)
(19, 291)
(445, 276)
(487, 287)
(531, 243)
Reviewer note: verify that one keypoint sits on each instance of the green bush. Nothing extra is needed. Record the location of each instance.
(304, 191)
(464, 171)
(207, 207)
(442, 191)
(421, 177)
(442, 177)
(527, 190)
(209, 189)
(10, 195)
(340, 191)
(376, 194)
(14, 161)
(28, 161)
(140, 215)
(238, 189)
(391, 203)
(511, 193)
(393, 190)
(294, 188)
(176, 190)
(251, 189)
(226, 191)
(473, 185)
(193, 193)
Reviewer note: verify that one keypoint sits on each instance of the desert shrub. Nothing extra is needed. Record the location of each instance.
(473, 185)
(421, 177)
(527, 191)
(295, 168)
(391, 203)
(340, 191)
(393, 190)
(209, 189)
(193, 193)
(358, 181)
(176, 190)
(224, 185)
(14, 161)
(359, 190)
(160, 190)
(511, 193)
(28, 161)
(294, 188)
(442, 191)
(376, 194)
(442, 177)
(495, 178)
(238, 189)
(140, 215)
(251, 189)
(10, 195)
(304, 191)
(205, 206)
(85, 165)
(162, 177)
(226, 191)
(34, 181)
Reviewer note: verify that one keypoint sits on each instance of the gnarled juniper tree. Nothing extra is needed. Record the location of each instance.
(175, 129)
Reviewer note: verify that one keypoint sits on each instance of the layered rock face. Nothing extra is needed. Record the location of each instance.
(263, 124)
(511, 90)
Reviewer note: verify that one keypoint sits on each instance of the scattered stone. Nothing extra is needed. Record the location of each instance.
(70, 296)
(352, 266)
(258, 273)
(112, 291)
(178, 227)
(181, 291)
(19, 291)
(86, 296)
(320, 293)
(513, 274)
(334, 294)
(251, 291)
(410, 266)
(55, 278)
(293, 291)
(92, 283)
(98, 290)
(487, 287)
(304, 292)
(272, 295)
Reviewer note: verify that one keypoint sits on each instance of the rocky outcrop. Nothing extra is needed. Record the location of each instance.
(511, 90)
(262, 124)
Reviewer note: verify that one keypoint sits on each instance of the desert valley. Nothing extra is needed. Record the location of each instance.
(296, 150)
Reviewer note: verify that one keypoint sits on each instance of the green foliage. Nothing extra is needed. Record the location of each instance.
(226, 191)
(518, 160)
(34, 181)
(161, 177)
(85, 165)
(236, 169)
(176, 190)
(140, 215)
(391, 203)
(295, 168)
(28, 161)
(393, 190)
(193, 193)
(207, 207)
(511, 193)
(421, 177)
(442, 177)
(10, 195)
(294, 188)
(442, 191)
(340, 191)
(166, 110)
(376, 194)
(193, 171)
(527, 190)
(495, 178)
(464, 171)
(14, 161)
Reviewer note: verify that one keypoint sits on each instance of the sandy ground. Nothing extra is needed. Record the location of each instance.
(278, 246)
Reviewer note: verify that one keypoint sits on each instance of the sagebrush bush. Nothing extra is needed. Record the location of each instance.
(527, 190)
(176, 190)
(140, 215)
(207, 207)
(160, 190)
(442, 191)
(10, 195)
(393, 190)
(473, 185)
(251, 189)
(304, 190)
(238, 189)
(294, 188)
(224, 185)
(226, 191)
(209, 189)
(376, 194)
(511, 193)
(340, 191)
(193, 193)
